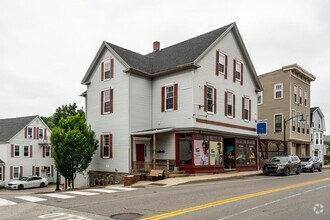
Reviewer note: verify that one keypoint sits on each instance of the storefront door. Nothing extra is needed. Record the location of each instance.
(229, 147)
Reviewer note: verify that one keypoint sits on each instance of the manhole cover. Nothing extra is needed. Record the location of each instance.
(126, 216)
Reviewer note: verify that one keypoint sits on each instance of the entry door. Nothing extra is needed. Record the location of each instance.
(140, 152)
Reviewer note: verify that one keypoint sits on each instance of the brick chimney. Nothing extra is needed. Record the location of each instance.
(156, 46)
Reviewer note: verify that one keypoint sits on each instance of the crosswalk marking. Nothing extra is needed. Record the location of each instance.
(82, 193)
(102, 190)
(31, 198)
(59, 196)
(4, 202)
(120, 188)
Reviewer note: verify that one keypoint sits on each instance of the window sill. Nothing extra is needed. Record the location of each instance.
(231, 117)
(210, 113)
(169, 110)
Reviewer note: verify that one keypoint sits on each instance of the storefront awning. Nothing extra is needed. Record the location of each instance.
(152, 131)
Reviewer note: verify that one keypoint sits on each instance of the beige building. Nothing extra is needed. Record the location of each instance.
(285, 97)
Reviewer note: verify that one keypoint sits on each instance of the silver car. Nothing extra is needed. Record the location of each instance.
(27, 182)
(311, 163)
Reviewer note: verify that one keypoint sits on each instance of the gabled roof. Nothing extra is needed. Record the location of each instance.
(9, 127)
(314, 109)
(175, 57)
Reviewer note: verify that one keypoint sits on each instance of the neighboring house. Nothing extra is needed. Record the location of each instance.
(24, 149)
(285, 97)
(150, 109)
(317, 121)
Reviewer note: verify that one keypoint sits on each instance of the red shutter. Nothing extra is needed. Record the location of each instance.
(11, 172)
(32, 170)
(111, 100)
(241, 73)
(3, 173)
(102, 70)
(176, 96)
(25, 132)
(226, 106)
(205, 98)
(243, 108)
(21, 171)
(226, 62)
(102, 94)
(234, 107)
(45, 134)
(250, 110)
(234, 71)
(30, 150)
(163, 99)
(217, 63)
(111, 68)
(110, 148)
(215, 101)
(52, 170)
(35, 130)
(12, 150)
(43, 151)
(101, 146)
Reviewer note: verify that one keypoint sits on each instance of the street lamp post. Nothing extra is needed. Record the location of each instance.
(284, 138)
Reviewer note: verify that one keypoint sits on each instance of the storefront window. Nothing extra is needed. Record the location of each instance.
(245, 152)
(201, 152)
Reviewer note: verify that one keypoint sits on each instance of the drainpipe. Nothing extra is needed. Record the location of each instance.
(154, 151)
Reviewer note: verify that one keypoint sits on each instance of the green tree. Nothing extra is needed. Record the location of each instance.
(49, 121)
(74, 144)
(64, 112)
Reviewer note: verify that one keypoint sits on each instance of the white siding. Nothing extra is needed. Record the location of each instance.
(116, 123)
(206, 74)
(178, 118)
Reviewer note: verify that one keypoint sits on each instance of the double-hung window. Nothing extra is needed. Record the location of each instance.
(16, 151)
(47, 151)
(293, 120)
(298, 123)
(106, 101)
(238, 71)
(229, 104)
(26, 151)
(106, 69)
(169, 98)
(303, 127)
(16, 172)
(37, 171)
(246, 108)
(222, 63)
(106, 146)
(1, 174)
(278, 123)
(305, 98)
(210, 98)
(295, 93)
(278, 91)
(321, 138)
(316, 138)
(300, 96)
(30, 132)
(41, 133)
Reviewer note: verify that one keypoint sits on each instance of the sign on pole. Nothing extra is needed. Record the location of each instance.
(262, 128)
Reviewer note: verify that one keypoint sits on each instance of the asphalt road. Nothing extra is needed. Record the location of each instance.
(304, 196)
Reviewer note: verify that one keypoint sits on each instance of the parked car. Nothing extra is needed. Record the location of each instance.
(283, 165)
(27, 182)
(311, 163)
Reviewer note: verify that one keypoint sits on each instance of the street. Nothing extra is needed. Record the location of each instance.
(304, 196)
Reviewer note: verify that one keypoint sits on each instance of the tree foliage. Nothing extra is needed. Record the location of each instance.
(73, 142)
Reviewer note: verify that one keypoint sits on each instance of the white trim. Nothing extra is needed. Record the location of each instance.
(240, 72)
(165, 97)
(295, 93)
(282, 124)
(19, 170)
(19, 150)
(224, 64)
(278, 84)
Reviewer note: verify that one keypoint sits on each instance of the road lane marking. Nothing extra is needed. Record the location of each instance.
(233, 199)
(82, 193)
(5, 202)
(103, 190)
(120, 188)
(31, 198)
(59, 196)
(272, 202)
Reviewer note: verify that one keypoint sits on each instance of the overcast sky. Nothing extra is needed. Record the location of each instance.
(46, 47)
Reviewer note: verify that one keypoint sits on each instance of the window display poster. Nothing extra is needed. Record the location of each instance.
(215, 153)
(201, 152)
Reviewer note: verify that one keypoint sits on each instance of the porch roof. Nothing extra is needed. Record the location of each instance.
(152, 131)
